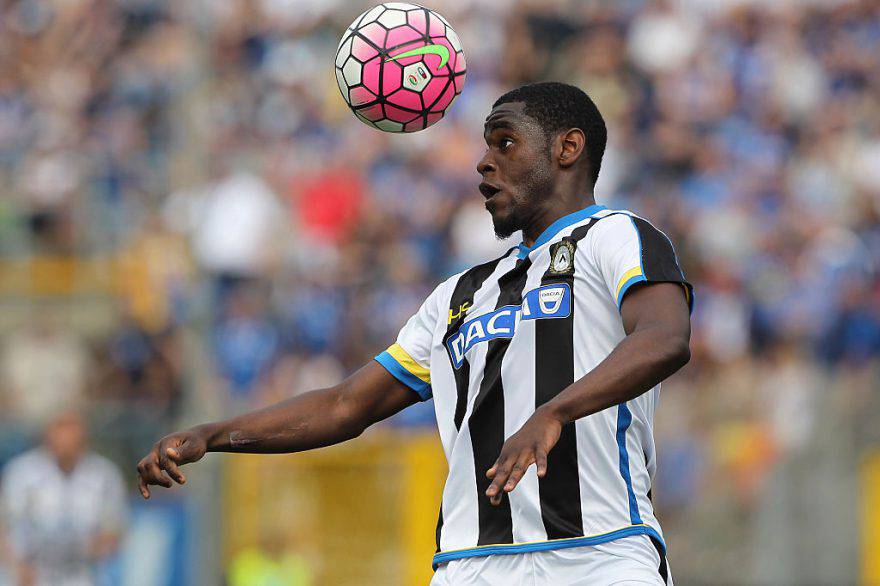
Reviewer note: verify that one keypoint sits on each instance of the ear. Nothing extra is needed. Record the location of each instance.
(571, 147)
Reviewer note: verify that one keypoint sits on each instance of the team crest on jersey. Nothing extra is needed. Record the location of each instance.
(561, 258)
(547, 302)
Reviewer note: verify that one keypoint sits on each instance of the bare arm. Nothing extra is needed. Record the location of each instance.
(657, 323)
(311, 420)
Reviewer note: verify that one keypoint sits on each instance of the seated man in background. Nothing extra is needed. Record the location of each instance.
(63, 508)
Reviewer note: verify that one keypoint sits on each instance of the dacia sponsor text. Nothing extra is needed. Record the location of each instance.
(547, 302)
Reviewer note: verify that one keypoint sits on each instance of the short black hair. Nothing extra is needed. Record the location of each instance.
(560, 106)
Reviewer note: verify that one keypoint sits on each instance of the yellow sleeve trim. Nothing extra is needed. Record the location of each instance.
(408, 362)
(633, 272)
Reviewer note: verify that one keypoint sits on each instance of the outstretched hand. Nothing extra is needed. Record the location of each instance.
(530, 445)
(162, 464)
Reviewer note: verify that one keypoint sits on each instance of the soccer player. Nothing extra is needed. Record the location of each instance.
(544, 364)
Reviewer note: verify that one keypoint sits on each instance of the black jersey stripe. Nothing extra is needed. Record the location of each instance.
(462, 298)
(486, 422)
(659, 262)
(559, 489)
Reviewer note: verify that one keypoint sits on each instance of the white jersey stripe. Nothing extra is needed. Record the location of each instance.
(519, 402)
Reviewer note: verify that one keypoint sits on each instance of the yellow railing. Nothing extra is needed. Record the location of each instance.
(360, 513)
(870, 517)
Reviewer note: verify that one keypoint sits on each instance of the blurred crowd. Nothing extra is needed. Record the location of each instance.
(255, 240)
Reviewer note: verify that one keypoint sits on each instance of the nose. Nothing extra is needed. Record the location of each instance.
(486, 164)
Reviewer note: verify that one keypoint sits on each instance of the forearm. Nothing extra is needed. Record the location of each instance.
(311, 420)
(641, 361)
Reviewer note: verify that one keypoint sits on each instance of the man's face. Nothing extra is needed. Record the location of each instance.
(65, 439)
(516, 169)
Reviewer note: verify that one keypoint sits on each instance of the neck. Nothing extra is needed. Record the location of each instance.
(67, 464)
(555, 207)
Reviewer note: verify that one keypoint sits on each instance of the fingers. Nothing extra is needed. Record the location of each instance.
(149, 473)
(145, 490)
(516, 473)
(152, 474)
(506, 474)
(508, 470)
(541, 461)
(171, 468)
(498, 473)
(167, 462)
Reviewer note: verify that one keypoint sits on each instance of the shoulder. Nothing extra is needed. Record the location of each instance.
(30, 464)
(606, 230)
(99, 463)
(101, 467)
(619, 226)
(475, 274)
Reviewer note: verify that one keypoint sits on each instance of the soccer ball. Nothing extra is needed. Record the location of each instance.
(399, 66)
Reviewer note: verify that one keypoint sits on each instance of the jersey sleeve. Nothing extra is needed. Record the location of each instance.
(629, 250)
(409, 359)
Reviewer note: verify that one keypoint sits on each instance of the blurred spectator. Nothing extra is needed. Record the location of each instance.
(237, 227)
(63, 508)
(273, 563)
(245, 342)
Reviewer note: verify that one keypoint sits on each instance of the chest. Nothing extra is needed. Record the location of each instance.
(56, 501)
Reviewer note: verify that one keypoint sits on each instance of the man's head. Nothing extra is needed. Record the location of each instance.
(541, 138)
(65, 439)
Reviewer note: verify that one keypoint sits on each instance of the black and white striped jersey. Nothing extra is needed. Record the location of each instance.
(494, 342)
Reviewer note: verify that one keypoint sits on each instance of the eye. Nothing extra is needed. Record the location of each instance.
(505, 143)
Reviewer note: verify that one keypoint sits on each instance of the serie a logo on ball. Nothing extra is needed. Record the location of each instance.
(399, 67)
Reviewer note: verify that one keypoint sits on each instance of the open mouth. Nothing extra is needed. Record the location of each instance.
(488, 190)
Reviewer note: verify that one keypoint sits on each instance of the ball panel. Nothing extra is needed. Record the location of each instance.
(375, 33)
(458, 80)
(370, 15)
(343, 52)
(416, 19)
(358, 96)
(389, 125)
(392, 77)
(364, 119)
(433, 90)
(445, 99)
(362, 50)
(403, 35)
(348, 32)
(392, 18)
(402, 6)
(399, 115)
(340, 81)
(370, 73)
(413, 126)
(372, 113)
(460, 65)
(351, 71)
(406, 99)
(453, 39)
(436, 28)
(433, 118)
